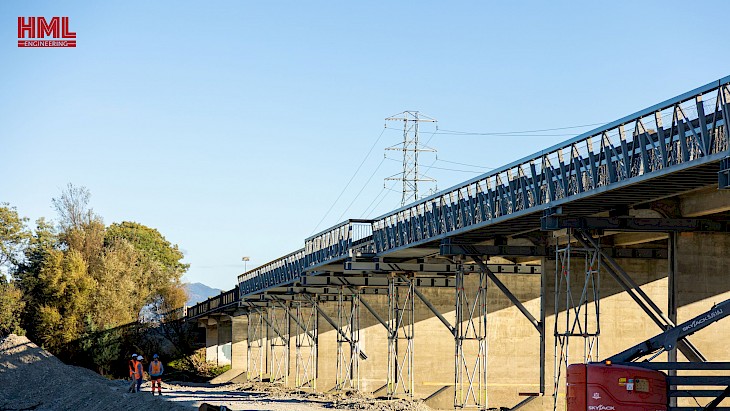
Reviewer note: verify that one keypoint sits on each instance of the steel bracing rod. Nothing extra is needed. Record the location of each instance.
(255, 334)
(292, 316)
(434, 310)
(347, 361)
(577, 321)
(535, 323)
(365, 303)
(543, 283)
(401, 316)
(672, 301)
(626, 282)
(374, 313)
(331, 322)
(523, 403)
(309, 366)
(279, 363)
(470, 316)
(273, 327)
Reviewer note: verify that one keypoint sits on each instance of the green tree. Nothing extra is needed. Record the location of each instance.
(151, 243)
(64, 297)
(79, 278)
(160, 282)
(14, 237)
(11, 308)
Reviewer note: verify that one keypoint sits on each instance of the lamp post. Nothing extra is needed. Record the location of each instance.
(245, 260)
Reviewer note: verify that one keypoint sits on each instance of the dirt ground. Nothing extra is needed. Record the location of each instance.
(33, 379)
(264, 396)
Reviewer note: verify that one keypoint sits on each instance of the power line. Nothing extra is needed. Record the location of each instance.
(363, 187)
(461, 171)
(463, 164)
(519, 132)
(350, 181)
(364, 213)
(442, 168)
(388, 190)
(524, 133)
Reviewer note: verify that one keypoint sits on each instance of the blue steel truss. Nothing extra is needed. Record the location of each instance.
(280, 271)
(335, 243)
(667, 137)
(671, 136)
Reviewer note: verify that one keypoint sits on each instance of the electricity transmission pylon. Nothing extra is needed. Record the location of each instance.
(410, 147)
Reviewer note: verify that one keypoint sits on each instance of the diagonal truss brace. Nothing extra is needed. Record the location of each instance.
(364, 303)
(332, 323)
(612, 267)
(535, 323)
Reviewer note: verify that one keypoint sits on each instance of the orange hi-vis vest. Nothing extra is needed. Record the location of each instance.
(155, 367)
(132, 367)
(138, 370)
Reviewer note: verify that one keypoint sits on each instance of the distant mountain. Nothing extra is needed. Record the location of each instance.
(198, 292)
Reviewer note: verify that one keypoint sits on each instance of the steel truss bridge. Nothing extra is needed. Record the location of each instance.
(670, 148)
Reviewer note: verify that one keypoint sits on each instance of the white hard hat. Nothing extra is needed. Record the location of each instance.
(140, 358)
(134, 356)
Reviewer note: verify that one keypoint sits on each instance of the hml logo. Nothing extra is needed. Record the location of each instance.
(33, 30)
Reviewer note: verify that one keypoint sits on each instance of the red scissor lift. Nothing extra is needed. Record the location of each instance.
(624, 382)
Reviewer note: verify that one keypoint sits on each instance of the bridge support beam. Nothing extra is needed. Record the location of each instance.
(306, 333)
(470, 340)
(401, 327)
(348, 339)
(580, 306)
(278, 336)
(256, 344)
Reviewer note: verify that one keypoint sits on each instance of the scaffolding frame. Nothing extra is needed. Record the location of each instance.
(278, 332)
(582, 316)
(306, 331)
(348, 348)
(470, 342)
(256, 342)
(401, 327)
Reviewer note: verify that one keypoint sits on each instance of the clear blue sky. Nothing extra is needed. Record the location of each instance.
(232, 127)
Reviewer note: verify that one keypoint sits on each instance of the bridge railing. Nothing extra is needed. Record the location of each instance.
(212, 304)
(279, 271)
(335, 242)
(679, 131)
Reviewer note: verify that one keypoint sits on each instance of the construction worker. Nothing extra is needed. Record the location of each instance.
(156, 369)
(139, 372)
(132, 368)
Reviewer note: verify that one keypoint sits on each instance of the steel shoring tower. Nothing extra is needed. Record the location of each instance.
(306, 331)
(470, 340)
(255, 358)
(278, 321)
(582, 316)
(401, 318)
(348, 339)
